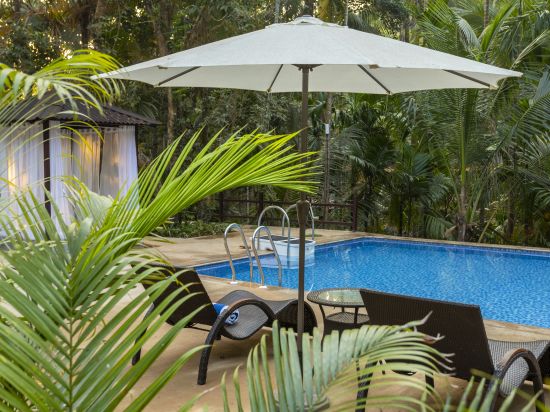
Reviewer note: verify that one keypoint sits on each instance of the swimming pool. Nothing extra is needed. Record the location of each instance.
(509, 285)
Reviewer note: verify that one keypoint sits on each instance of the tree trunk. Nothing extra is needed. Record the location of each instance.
(327, 115)
(400, 228)
(277, 10)
(511, 218)
(309, 7)
(100, 11)
(84, 20)
(160, 20)
(17, 4)
(461, 218)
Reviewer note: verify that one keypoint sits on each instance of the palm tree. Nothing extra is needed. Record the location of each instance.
(466, 126)
(66, 336)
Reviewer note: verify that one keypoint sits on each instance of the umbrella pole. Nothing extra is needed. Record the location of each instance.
(302, 209)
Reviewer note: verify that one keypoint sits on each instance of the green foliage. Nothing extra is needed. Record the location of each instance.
(191, 228)
(63, 82)
(67, 326)
(484, 152)
(479, 396)
(68, 329)
(345, 371)
(173, 182)
(479, 185)
(333, 367)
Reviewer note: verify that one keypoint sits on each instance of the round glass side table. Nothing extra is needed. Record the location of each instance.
(342, 298)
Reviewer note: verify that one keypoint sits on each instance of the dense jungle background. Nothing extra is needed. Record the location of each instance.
(468, 165)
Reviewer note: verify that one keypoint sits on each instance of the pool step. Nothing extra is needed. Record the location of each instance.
(284, 247)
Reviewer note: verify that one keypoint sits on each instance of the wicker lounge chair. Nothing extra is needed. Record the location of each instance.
(463, 332)
(254, 313)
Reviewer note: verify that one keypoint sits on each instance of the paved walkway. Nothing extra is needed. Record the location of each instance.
(227, 354)
(209, 249)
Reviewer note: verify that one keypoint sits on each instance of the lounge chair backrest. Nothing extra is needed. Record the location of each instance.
(192, 284)
(460, 324)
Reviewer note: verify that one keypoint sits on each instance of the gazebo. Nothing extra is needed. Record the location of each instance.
(52, 144)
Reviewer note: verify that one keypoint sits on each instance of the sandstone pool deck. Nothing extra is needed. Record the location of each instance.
(227, 354)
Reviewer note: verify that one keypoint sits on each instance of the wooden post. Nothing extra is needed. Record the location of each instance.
(260, 203)
(354, 213)
(221, 205)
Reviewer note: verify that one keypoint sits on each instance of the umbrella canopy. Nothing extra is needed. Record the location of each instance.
(342, 60)
(311, 55)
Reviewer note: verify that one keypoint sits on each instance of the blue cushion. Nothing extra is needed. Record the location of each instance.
(231, 319)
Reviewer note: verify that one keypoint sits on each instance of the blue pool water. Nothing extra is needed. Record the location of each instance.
(509, 285)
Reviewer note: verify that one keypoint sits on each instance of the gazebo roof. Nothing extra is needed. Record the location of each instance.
(111, 116)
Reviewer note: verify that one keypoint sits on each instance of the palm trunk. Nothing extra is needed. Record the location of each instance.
(326, 181)
(158, 24)
(462, 223)
(309, 6)
(277, 10)
(85, 18)
(100, 11)
(511, 218)
(400, 229)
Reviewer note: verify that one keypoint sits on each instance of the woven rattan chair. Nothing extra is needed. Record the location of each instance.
(463, 332)
(254, 313)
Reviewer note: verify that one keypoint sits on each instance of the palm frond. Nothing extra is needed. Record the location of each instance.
(68, 331)
(339, 365)
(172, 182)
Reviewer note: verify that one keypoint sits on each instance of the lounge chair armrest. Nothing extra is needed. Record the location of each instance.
(513, 355)
(507, 362)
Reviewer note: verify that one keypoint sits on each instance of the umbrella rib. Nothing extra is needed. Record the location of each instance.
(375, 79)
(274, 79)
(469, 78)
(183, 73)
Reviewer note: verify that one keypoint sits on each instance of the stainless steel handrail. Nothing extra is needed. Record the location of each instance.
(285, 216)
(312, 218)
(228, 229)
(255, 251)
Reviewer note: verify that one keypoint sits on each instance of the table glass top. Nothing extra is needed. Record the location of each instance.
(336, 297)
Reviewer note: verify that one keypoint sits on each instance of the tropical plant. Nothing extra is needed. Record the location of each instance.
(467, 126)
(67, 334)
(328, 371)
(63, 82)
(67, 328)
(72, 347)
(349, 371)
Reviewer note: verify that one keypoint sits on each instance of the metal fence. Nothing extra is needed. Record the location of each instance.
(347, 211)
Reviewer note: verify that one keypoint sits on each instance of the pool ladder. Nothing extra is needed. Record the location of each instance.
(255, 239)
(285, 218)
(239, 229)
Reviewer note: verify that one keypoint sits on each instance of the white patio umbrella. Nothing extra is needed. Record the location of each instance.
(308, 54)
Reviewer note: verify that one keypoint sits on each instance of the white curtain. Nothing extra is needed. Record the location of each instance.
(4, 192)
(60, 166)
(21, 166)
(22, 159)
(119, 160)
(86, 147)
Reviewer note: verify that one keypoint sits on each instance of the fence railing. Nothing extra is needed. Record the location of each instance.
(224, 211)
